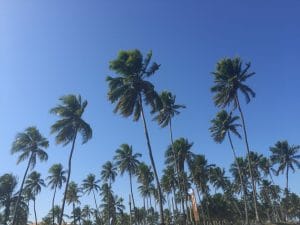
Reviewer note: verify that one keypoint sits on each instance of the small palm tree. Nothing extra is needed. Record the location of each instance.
(128, 162)
(31, 145)
(72, 197)
(130, 90)
(286, 157)
(34, 183)
(90, 185)
(109, 172)
(56, 179)
(67, 128)
(229, 79)
(224, 125)
(8, 184)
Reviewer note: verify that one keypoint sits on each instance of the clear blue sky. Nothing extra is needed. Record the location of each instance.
(52, 48)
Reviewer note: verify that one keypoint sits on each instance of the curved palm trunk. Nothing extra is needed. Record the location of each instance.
(95, 203)
(241, 179)
(176, 166)
(162, 220)
(68, 180)
(34, 211)
(53, 199)
(287, 179)
(249, 160)
(21, 189)
(74, 219)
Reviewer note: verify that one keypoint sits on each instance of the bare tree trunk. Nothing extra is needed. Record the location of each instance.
(53, 199)
(34, 211)
(162, 220)
(68, 180)
(249, 160)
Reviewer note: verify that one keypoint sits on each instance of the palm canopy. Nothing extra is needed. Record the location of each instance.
(222, 124)
(73, 193)
(144, 174)
(90, 183)
(168, 108)
(57, 176)
(285, 156)
(108, 172)
(129, 88)
(229, 78)
(126, 161)
(70, 110)
(183, 154)
(34, 183)
(30, 144)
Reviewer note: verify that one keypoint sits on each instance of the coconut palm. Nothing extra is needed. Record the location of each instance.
(67, 128)
(56, 179)
(229, 80)
(109, 172)
(286, 157)
(34, 183)
(130, 89)
(8, 184)
(128, 162)
(31, 145)
(224, 125)
(145, 177)
(72, 197)
(90, 185)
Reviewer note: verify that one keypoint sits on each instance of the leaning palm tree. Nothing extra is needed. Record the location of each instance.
(8, 184)
(128, 162)
(31, 145)
(229, 79)
(130, 90)
(67, 128)
(34, 183)
(287, 158)
(224, 125)
(90, 185)
(109, 172)
(56, 179)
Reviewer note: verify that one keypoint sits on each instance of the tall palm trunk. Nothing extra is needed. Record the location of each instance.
(162, 220)
(287, 179)
(174, 194)
(34, 211)
(130, 180)
(53, 199)
(74, 219)
(21, 189)
(95, 202)
(7, 212)
(249, 160)
(241, 179)
(176, 166)
(68, 179)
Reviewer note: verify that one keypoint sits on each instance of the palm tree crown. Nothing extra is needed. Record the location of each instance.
(90, 183)
(109, 172)
(34, 183)
(57, 176)
(229, 78)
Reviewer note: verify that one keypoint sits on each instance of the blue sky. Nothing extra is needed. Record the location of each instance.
(52, 48)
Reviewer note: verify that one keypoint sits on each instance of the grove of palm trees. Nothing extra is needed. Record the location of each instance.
(145, 182)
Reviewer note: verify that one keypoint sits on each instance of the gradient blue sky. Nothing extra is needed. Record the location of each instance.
(52, 48)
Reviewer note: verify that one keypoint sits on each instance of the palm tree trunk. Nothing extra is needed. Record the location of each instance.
(241, 179)
(130, 180)
(21, 189)
(162, 220)
(68, 179)
(74, 220)
(287, 179)
(249, 160)
(53, 204)
(201, 205)
(34, 211)
(7, 212)
(95, 202)
(174, 194)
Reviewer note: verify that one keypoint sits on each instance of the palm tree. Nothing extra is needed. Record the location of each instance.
(286, 157)
(71, 111)
(130, 90)
(229, 79)
(56, 179)
(145, 177)
(73, 196)
(90, 184)
(34, 183)
(128, 162)
(226, 124)
(8, 184)
(109, 172)
(31, 145)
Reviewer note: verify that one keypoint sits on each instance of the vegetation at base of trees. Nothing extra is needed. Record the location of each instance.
(244, 194)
